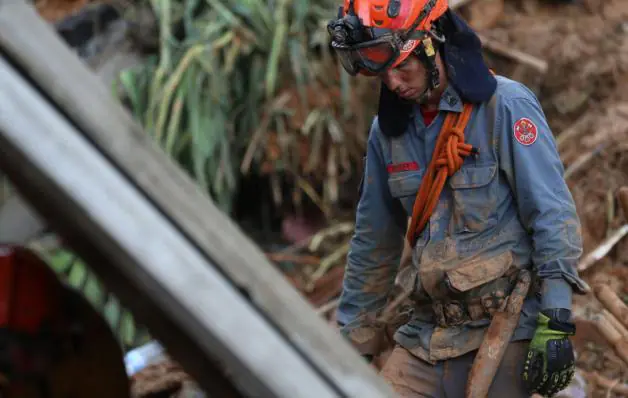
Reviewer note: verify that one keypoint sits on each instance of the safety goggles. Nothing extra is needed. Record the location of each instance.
(370, 50)
(373, 51)
(372, 56)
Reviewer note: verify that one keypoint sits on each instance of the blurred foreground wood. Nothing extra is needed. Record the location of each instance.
(185, 270)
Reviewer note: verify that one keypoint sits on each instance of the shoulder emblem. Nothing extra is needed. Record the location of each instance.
(525, 131)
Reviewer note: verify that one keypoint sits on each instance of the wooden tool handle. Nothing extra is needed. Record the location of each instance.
(496, 340)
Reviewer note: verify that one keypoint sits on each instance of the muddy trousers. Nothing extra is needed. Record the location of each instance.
(412, 377)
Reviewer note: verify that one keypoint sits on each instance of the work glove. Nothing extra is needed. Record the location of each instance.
(550, 363)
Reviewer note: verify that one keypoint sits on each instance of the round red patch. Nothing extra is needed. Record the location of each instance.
(525, 131)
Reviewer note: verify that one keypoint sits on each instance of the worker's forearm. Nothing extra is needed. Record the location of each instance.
(375, 249)
(366, 285)
(546, 208)
(556, 293)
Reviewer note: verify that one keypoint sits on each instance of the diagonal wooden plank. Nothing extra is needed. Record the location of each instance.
(132, 234)
(112, 130)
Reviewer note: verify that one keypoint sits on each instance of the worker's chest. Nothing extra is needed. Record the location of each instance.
(469, 199)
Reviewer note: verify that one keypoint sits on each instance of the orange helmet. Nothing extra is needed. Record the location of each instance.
(370, 36)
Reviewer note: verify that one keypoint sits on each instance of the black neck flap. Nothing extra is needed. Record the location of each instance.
(466, 72)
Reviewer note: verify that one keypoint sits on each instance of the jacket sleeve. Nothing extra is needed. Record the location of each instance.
(374, 253)
(529, 158)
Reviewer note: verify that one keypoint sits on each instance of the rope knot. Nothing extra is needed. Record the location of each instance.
(458, 132)
(447, 158)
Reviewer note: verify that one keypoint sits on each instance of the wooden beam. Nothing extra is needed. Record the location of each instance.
(150, 252)
(18, 222)
(112, 131)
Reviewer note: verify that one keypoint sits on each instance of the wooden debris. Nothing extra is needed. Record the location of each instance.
(583, 160)
(603, 249)
(614, 304)
(329, 306)
(613, 336)
(573, 131)
(492, 45)
(616, 324)
(327, 287)
(326, 263)
(611, 385)
(335, 230)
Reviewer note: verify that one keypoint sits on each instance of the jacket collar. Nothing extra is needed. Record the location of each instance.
(450, 101)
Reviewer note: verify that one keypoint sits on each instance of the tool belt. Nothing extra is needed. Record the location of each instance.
(478, 304)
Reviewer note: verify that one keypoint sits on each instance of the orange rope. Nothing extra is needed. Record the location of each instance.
(447, 158)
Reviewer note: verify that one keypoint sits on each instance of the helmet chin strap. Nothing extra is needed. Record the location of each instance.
(427, 55)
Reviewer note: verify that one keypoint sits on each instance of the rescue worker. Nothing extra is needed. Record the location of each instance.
(469, 158)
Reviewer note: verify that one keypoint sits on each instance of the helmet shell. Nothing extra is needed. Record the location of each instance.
(398, 15)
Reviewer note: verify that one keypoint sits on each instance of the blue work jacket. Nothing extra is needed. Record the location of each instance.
(507, 206)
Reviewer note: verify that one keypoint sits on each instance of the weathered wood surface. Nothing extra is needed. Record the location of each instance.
(216, 239)
(19, 223)
(131, 233)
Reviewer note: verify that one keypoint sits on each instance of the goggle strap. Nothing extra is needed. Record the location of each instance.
(424, 12)
(416, 35)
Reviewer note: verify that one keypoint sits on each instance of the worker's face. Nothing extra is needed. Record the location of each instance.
(409, 79)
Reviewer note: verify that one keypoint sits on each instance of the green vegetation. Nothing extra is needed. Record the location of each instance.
(239, 87)
(250, 86)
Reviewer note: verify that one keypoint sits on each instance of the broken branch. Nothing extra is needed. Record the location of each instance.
(502, 49)
(613, 304)
(613, 336)
(326, 263)
(615, 322)
(603, 249)
(327, 307)
(583, 160)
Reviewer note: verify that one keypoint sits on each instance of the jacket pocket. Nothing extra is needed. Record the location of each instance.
(483, 284)
(404, 186)
(478, 271)
(474, 198)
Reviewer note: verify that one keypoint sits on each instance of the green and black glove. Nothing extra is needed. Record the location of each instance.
(550, 364)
